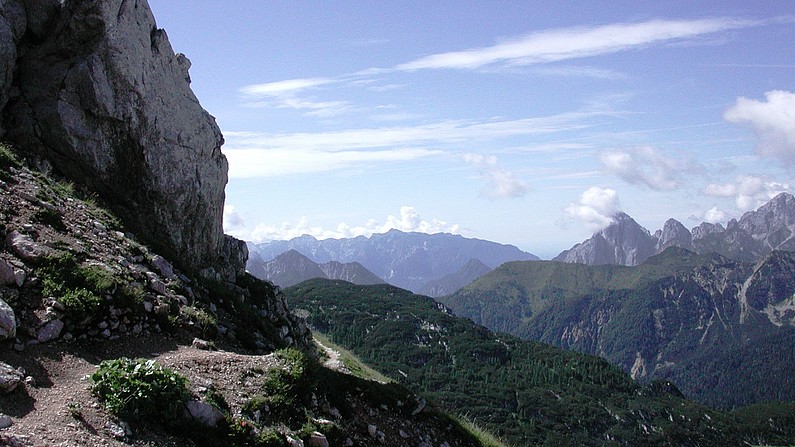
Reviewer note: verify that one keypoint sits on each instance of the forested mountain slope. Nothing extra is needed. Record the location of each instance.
(528, 392)
(721, 329)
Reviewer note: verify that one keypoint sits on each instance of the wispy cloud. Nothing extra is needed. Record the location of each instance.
(595, 208)
(571, 43)
(281, 88)
(286, 95)
(773, 122)
(647, 166)
(258, 154)
(500, 182)
(580, 72)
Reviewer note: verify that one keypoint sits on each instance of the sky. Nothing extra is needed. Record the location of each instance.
(521, 122)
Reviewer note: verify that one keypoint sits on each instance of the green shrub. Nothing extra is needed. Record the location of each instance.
(286, 391)
(140, 390)
(80, 304)
(244, 433)
(81, 288)
(205, 321)
(7, 160)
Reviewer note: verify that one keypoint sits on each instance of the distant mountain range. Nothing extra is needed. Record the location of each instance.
(413, 261)
(722, 330)
(291, 267)
(755, 235)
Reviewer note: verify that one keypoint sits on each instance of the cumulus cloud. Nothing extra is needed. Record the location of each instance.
(232, 219)
(500, 182)
(595, 209)
(714, 215)
(570, 43)
(408, 220)
(748, 191)
(646, 166)
(773, 122)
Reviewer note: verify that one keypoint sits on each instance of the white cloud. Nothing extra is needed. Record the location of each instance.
(748, 191)
(570, 43)
(408, 220)
(595, 209)
(250, 163)
(646, 166)
(232, 219)
(281, 88)
(580, 71)
(714, 215)
(500, 182)
(266, 155)
(773, 122)
(284, 95)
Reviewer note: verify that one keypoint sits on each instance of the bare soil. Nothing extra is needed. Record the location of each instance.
(59, 410)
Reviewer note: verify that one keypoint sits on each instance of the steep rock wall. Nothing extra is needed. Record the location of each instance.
(95, 88)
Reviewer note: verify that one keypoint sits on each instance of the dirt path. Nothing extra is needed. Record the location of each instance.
(58, 409)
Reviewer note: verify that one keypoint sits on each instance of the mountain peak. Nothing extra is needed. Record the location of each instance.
(755, 234)
(623, 242)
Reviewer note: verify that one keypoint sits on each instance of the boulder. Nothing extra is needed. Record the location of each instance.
(8, 321)
(204, 413)
(98, 91)
(162, 266)
(317, 439)
(8, 276)
(25, 247)
(10, 378)
(50, 331)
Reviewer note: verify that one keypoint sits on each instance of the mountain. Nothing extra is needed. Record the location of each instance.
(291, 267)
(756, 234)
(624, 242)
(721, 329)
(448, 284)
(407, 260)
(527, 392)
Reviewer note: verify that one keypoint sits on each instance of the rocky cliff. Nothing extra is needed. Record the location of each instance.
(754, 236)
(94, 88)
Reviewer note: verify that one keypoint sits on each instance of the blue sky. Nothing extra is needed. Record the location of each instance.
(527, 123)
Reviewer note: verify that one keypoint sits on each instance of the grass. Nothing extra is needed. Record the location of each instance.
(354, 365)
(485, 438)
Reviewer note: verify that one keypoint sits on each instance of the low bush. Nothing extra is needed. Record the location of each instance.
(140, 390)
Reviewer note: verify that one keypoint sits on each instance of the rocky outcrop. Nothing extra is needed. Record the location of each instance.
(68, 273)
(624, 242)
(674, 234)
(754, 236)
(95, 88)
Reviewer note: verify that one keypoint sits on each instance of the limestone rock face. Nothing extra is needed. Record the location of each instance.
(12, 26)
(673, 233)
(624, 242)
(98, 91)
